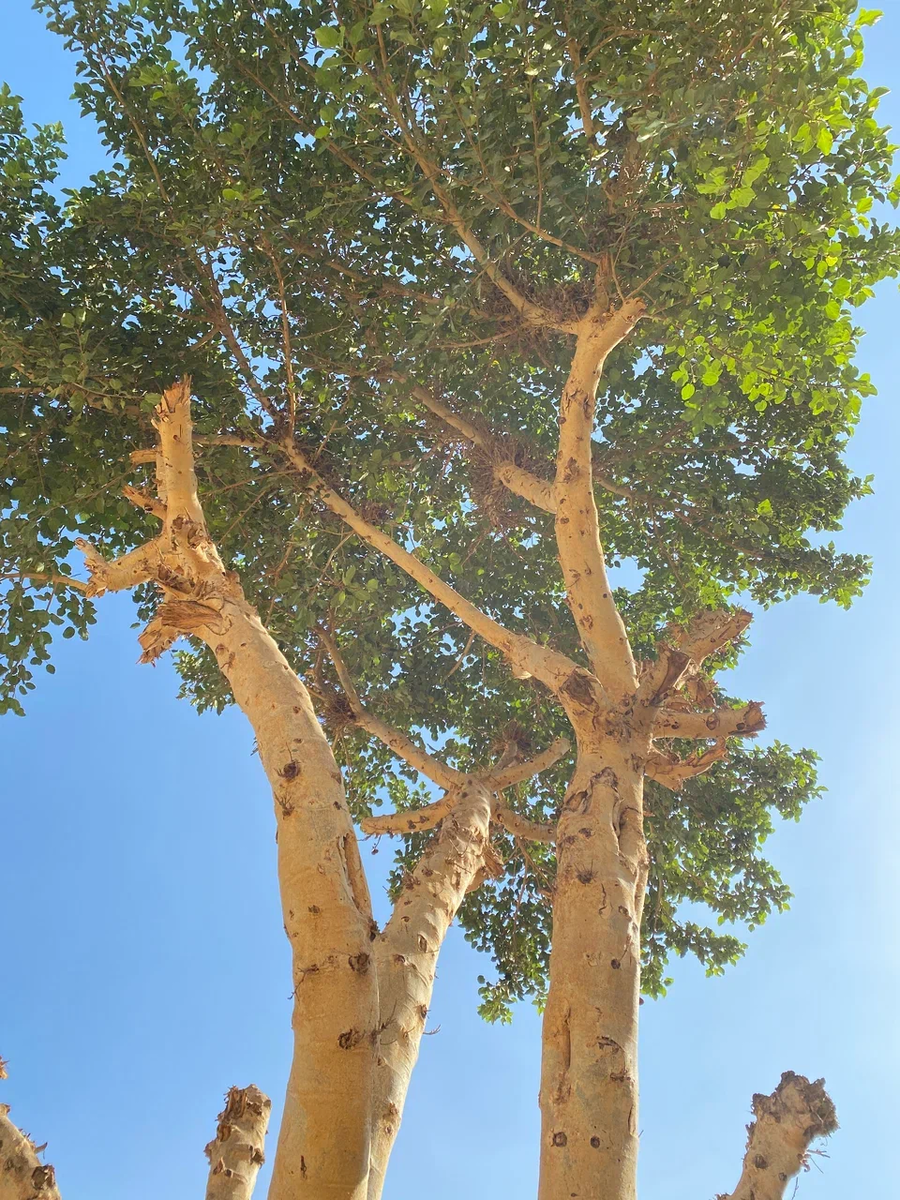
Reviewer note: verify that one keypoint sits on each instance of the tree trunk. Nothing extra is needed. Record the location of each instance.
(589, 1085)
(407, 953)
(323, 1146)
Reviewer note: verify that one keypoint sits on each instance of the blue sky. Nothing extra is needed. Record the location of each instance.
(146, 970)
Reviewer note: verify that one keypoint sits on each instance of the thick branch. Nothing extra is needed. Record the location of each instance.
(550, 667)
(721, 723)
(22, 1174)
(581, 557)
(172, 421)
(406, 955)
(787, 1123)
(536, 491)
(236, 1153)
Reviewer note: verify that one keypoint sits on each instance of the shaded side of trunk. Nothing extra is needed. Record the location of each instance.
(589, 1082)
(407, 954)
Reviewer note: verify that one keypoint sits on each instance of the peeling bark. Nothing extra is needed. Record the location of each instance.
(778, 1141)
(236, 1153)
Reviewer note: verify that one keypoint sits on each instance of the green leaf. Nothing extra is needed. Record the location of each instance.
(330, 37)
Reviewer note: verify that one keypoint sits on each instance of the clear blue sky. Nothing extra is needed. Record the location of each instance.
(145, 969)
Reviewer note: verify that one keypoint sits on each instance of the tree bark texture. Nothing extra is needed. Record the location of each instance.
(778, 1141)
(589, 1079)
(22, 1174)
(237, 1151)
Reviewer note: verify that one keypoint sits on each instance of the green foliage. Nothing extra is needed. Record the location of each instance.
(308, 207)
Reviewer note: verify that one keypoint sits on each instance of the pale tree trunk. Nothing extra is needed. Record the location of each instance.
(323, 1146)
(406, 954)
(237, 1151)
(589, 1078)
(778, 1141)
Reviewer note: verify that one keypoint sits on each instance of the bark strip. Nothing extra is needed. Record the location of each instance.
(236, 1152)
(778, 1141)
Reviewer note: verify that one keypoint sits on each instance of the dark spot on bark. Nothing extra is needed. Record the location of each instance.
(615, 964)
(580, 688)
(608, 778)
(421, 943)
(373, 931)
(257, 1156)
(624, 911)
(559, 1139)
(427, 871)
(290, 770)
(761, 1163)
(314, 909)
(595, 1142)
(585, 832)
(585, 876)
(422, 1010)
(349, 1038)
(302, 1167)
(400, 958)
(359, 962)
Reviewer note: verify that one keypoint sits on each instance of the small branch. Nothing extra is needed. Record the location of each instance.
(138, 457)
(236, 1153)
(403, 746)
(22, 1174)
(42, 577)
(432, 814)
(416, 821)
(720, 723)
(522, 827)
(787, 1123)
(518, 772)
(673, 772)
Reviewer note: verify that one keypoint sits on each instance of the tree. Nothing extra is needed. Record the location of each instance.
(477, 303)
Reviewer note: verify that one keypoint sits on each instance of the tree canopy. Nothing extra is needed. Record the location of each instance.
(372, 229)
